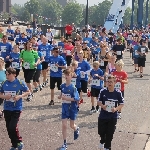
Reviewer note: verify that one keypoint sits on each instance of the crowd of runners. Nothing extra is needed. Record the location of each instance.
(92, 64)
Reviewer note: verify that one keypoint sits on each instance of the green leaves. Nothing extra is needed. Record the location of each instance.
(72, 13)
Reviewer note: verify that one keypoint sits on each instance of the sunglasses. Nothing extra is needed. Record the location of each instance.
(56, 51)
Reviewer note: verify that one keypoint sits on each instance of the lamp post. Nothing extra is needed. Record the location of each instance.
(87, 11)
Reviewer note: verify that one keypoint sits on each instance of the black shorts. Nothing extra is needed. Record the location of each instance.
(54, 80)
(84, 85)
(135, 60)
(11, 39)
(95, 92)
(17, 72)
(50, 42)
(7, 64)
(36, 76)
(68, 60)
(44, 65)
(149, 45)
(79, 90)
(141, 62)
(28, 74)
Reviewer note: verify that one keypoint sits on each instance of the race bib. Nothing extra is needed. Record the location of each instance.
(73, 81)
(21, 46)
(82, 74)
(68, 52)
(15, 65)
(118, 52)
(96, 82)
(102, 63)
(12, 93)
(3, 49)
(17, 36)
(136, 53)
(66, 95)
(118, 86)
(27, 65)
(142, 50)
(109, 105)
(43, 53)
(53, 67)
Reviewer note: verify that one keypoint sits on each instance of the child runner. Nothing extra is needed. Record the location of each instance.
(2, 78)
(70, 98)
(15, 59)
(96, 80)
(12, 91)
(121, 79)
(111, 101)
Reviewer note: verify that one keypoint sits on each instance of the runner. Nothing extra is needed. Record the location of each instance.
(15, 59)
(10, 34)
(12, 91)
(5, 49)
(45, 49)
(96, 81)
(142, 51)
(49, 36)
(57, 63)
(28, 57)
(110, 100)
(121, 79)
(70, 98)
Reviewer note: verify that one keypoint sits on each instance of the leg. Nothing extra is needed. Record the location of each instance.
(64, 129)
(109, 132)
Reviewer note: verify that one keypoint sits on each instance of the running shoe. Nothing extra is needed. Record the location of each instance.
(35, 90)
(20, 146)
(119, 115)
(93, 110)
(29, 98)
(76, 134)
(64, 147)
(41, 88)
(81, 101)
(12, 148)
(51, 102)
(101, 146)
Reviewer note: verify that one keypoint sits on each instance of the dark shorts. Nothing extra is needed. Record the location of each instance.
(54, 80)
(84, 85)
(141, 62)
(135, 60)
(95, 92)
(79, 90)
(68, 60)
(28, 74)
(44, 65)
(50, 42)
(11, 39)
(7, 64)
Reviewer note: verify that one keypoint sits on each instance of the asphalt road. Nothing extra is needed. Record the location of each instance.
(40, 124)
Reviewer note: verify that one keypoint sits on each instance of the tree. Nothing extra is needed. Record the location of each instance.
(72, 13)
(52, 10)
(33, 7)
(127, 16)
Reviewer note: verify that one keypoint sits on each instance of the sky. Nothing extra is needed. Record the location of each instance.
(91, 2)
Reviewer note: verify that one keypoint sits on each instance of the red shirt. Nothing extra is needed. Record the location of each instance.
(68, 49)
(68, 29)
(120, 75)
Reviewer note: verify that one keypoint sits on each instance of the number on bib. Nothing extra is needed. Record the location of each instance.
(26, 65)
(15, 65)
(118, 86)
(12, 93)
(53, 67)
(118, 52)
(109, 105)
(73, 81)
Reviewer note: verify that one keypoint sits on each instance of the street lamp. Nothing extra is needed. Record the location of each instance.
(87, 11)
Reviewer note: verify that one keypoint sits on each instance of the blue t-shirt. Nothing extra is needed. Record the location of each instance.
(45, 50)
(10, 31)
(16, 60)
(39, 34)
(22, 41)
(17, 37)
(88, 40)
(103, 38)
(5, 50)
(29, 33)
(13, 88)
(76, 81)
(135, 54)
(84, 66)
(96, 82)
(106, 96)
(39, 66)
(69, 108)
(56, 71)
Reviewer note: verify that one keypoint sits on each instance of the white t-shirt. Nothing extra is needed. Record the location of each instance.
(49, 36)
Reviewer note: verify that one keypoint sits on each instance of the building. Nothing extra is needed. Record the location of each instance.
(5, 6)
